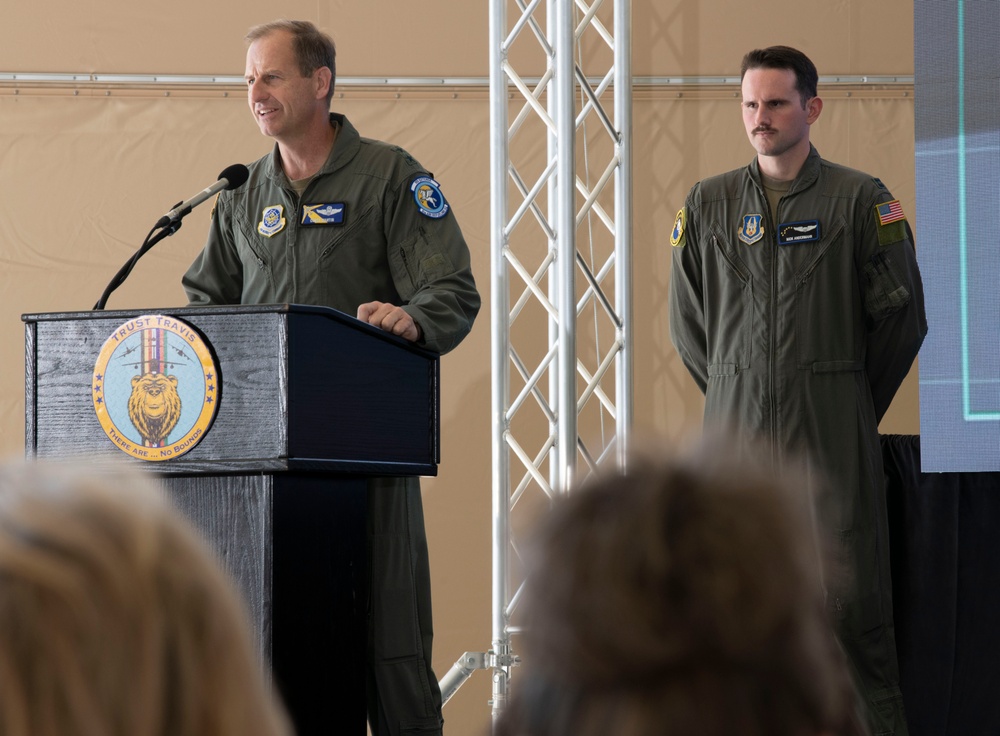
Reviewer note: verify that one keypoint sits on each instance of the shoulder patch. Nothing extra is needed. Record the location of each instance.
(430, 201)
(890, 211)
(878, 183)
(677, 234)
(890, 222)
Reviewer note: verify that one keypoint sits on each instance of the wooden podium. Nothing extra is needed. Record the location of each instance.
(311, 403)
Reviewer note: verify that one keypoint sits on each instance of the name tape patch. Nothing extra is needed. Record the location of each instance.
(323, 213)
(806, 231)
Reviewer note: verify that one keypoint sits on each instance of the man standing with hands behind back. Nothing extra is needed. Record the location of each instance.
(796, 305)
(334, 219)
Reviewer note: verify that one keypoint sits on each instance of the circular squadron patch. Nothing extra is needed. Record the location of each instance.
(427, 195)
(155, 387)
(677, 234)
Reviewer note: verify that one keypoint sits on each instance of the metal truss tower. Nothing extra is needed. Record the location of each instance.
(561, 234)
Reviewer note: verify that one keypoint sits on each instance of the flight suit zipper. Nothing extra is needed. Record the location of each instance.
(773, 331)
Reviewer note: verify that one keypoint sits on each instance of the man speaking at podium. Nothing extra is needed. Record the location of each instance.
(334, 219)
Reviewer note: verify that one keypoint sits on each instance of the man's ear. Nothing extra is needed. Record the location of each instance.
(324, 78)
(813, 108)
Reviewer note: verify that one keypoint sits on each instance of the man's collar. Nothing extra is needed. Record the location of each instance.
(807, 174)
(345, 148)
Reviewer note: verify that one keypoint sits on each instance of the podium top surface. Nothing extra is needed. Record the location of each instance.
(234, 309)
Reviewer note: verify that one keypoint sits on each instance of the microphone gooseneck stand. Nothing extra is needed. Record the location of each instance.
(125, 270)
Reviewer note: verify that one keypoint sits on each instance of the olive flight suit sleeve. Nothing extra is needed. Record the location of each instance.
(893, 298)
(686, 304)
(431, 270)
(216, 275)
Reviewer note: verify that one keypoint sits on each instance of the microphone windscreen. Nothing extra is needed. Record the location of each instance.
(236, 175)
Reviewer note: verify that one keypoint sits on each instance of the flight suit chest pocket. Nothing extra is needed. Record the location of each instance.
(256, 254)
(826, 306)
(362, 230)
(729, 307)
(350, 260)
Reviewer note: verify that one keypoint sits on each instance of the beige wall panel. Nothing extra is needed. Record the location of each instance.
(439, 38)
(390, 37)
(709, 38)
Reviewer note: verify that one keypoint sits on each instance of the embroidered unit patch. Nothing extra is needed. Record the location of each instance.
(427, 195)
(752, 229)
(272, 220)
(677, 234)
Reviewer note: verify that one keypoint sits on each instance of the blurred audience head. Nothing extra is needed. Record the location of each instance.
(115, 619)
(683, 596)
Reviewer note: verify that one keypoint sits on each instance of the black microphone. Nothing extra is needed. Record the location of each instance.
(230, 178)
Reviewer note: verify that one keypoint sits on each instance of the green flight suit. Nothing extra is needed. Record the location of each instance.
(371, 226)
(800, 331)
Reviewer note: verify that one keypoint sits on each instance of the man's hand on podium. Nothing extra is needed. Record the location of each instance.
(390, 318)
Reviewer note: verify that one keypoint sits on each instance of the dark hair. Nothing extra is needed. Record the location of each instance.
(784, 57)
(313, 48)
(679, 597)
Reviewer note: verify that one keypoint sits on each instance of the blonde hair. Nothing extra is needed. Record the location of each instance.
(115, 619)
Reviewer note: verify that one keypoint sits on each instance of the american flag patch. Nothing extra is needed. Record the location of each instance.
(889, 212)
